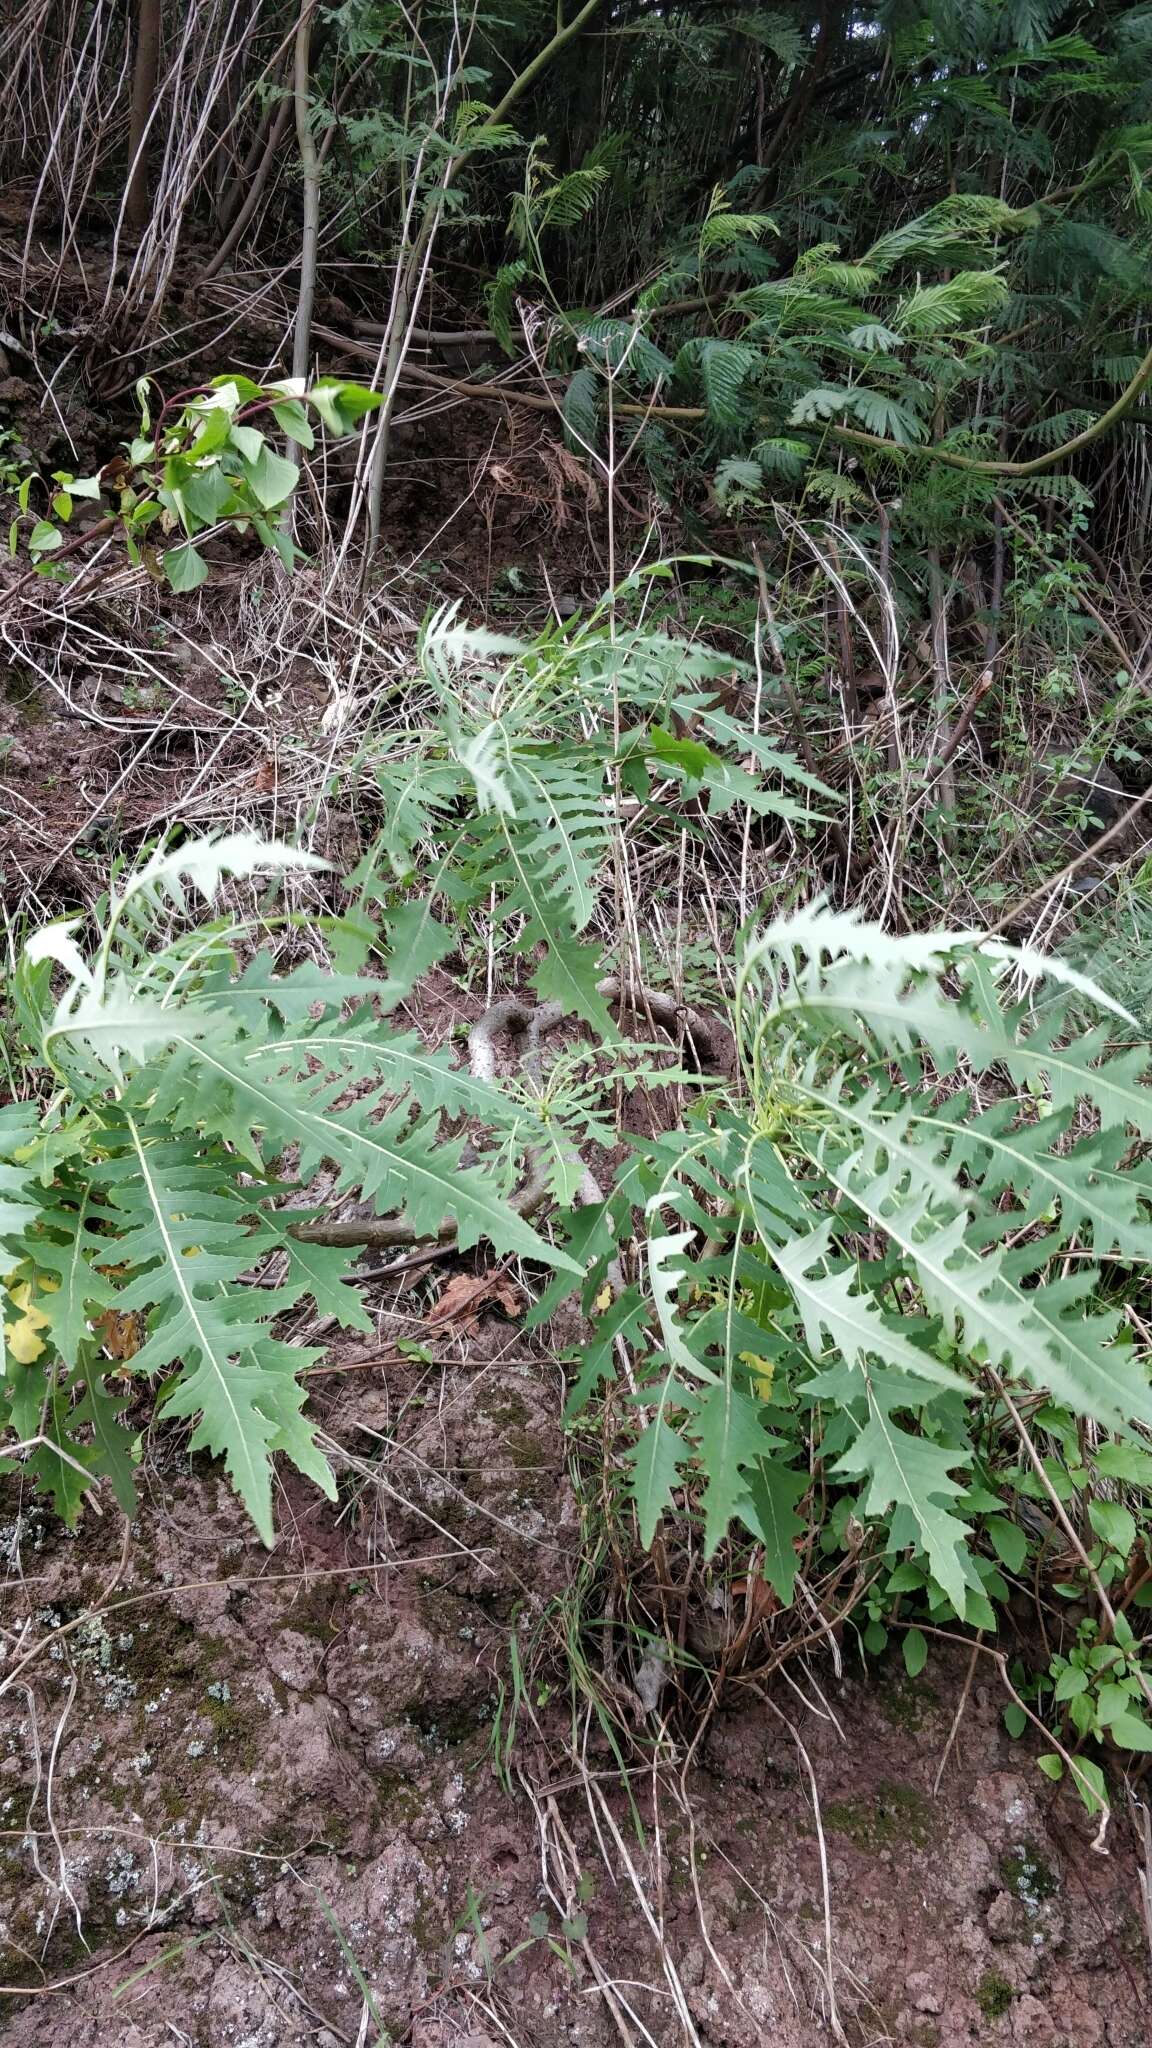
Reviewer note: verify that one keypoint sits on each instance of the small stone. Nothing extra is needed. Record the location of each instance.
(922, 1989)
(1002, 1918)
(207, 1909)
(293, 1659)
(1033, 2024)
(693, 1965)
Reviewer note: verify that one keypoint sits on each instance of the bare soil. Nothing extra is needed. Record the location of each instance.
(250, 1797)
(117, 716)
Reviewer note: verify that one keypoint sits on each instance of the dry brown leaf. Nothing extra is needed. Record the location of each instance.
(121, 1335)
(759, 1597)
(465, 1294)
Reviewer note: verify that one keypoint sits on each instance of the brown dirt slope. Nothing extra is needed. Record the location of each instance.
(248, 1799)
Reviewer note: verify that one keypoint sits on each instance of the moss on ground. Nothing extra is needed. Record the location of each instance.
(994, 1995)
(897, 1817)
(1028, 1877)
(907, 1703)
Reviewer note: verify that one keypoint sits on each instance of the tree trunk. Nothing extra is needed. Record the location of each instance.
(273, 130)
(138, 198)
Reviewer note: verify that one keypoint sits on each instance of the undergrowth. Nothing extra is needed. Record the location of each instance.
(857, 1316)
(806, 870)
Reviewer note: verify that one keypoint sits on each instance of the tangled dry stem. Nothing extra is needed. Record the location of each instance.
(534, 1021)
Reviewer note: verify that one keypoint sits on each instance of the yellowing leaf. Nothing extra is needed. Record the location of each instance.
(762, 1370)
(23, 1336)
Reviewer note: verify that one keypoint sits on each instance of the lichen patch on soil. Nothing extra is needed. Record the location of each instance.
(249, 1797)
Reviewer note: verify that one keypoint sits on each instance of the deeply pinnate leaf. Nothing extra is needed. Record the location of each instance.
(133, 1228)
(909, 1252)
(656, 1462)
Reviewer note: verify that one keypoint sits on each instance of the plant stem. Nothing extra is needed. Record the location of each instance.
(310, 233)
(414, 267)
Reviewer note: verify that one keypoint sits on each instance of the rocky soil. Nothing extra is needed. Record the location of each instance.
(249, 1799)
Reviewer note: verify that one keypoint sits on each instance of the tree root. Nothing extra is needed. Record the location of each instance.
(378, 1233)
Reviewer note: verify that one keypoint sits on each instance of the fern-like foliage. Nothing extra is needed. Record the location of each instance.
(875, 410)
(837, 340)
(508, 792)
(738, 480)
(551, 201)
(500, 298)
(581, 409)
(723, 229)
(966, 300)
(723, 368)
(623, 349)
(886, 1247)
(948, 233)
(144, 1199)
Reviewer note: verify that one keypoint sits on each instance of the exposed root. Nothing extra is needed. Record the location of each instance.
(378, 1232)
(512, 1013)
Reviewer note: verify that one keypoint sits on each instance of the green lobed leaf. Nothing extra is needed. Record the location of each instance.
(913, 1472)
(656, 1460)
(730, 1438)
(774, 1491)
(388, 1159)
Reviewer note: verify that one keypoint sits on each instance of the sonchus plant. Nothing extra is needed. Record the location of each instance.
(144, 1187)
(507, 787)
(891, 1226)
